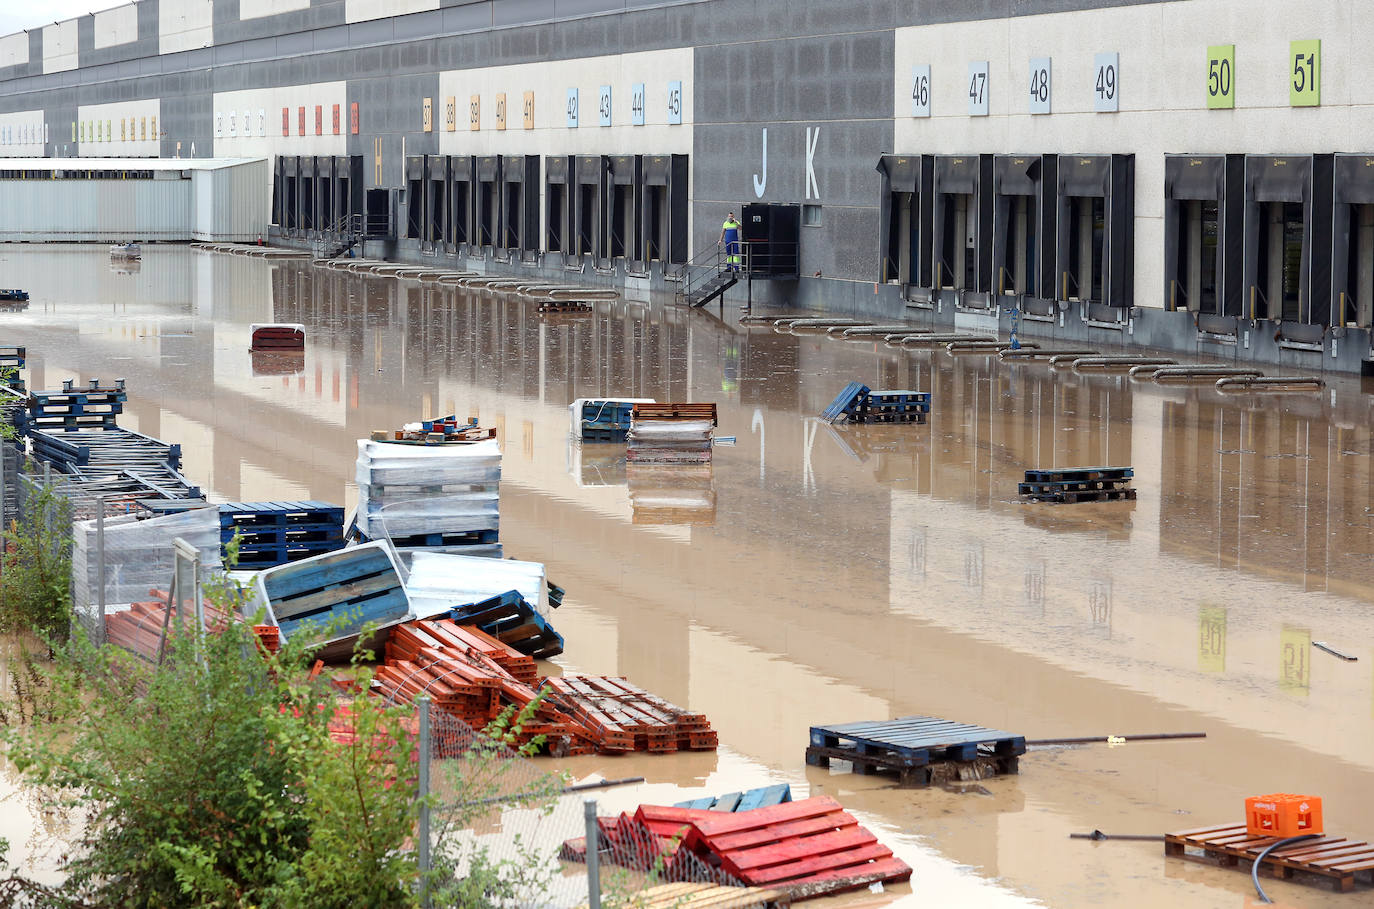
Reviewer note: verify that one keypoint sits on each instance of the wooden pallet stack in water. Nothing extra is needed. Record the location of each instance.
(628, 718)
(1335, 859)
(1070, 485)
(915, 748)
(671, 433)
(273, 533)
(857, 403)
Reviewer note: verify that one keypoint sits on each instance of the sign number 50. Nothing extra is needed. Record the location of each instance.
(1221, 76)
(1305, 71)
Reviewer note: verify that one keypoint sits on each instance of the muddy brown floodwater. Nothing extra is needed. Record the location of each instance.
(822, 574)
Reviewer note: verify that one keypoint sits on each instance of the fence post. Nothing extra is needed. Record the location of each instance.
(424, 858)
(593, 855)
(100, 559)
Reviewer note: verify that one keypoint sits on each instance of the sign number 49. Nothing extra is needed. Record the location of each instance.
(1107, 82)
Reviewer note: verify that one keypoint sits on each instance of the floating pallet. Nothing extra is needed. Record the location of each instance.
(351, 587)
(1079, 474)
(762, 797)
(1333, 858)
(564, 307)
(511, 619)
(625, 717)
(845, 402)
(703, 896)
(279, 521)
(685, 412)
(910, 745)
(14, 295)
(277, 336)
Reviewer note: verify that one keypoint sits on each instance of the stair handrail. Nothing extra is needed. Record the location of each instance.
(700, 269)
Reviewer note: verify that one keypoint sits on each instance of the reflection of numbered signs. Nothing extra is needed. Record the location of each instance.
(1107, 82)
(1305, 73)
(603, 105)
(571, 108)
(637, 104)
(1295, 645)
(1035, 584)
(973, 566)
(918, 553)
(233, 124)
(675, 103)
(978, 89)
(1211, 639)
(1040, 85)
(920, 90)
(1100, 601)
(1221, 76)
(529, 110)
(219, 124)
(262, 122)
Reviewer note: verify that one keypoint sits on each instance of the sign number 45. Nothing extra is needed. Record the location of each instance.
(1305, 73)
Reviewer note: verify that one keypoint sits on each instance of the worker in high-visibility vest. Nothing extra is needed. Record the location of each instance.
(729, 238)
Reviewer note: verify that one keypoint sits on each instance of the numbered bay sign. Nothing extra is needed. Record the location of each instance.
(978, 89)
(920, 90)
(1305, 73)
(1221, 77)
(571, 108)
(675, 103)
(529, 110)
(637, 104)
(1107, 82)
(1040, 85)
(603, 105)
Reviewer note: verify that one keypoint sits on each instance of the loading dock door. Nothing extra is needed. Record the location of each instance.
(487, 206)
(305, 185)
(557, 210)
(663, 221)
(962, 229)
(905, 216)
(342, 195)
(324, 193)
(278, 185)
(1023, 231)
(520, 204)
(1352, 263)
(415, 197)
(436, 199)
(589, 207)
(624, 203)
(1204, 233)
(461, 173)
(1094, 252)
(1288, 213)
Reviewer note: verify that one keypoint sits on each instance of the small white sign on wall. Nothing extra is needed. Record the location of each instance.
(1107, 82)
(920, 90)
(978, 89)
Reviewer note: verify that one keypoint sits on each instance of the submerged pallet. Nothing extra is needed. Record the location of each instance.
(846, 402)
(625, 717)
(910, 747)
(564, 307)
(762, 797)
(1069, 486)
(704, 896)
(512, 620)
(1334, 858)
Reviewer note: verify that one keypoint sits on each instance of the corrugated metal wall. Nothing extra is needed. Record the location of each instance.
(226, 204)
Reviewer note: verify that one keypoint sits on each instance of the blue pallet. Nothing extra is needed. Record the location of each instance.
(1078, 474)
(251, 516)
(511, 619)
(845, 402)
(911, 741)
(898, 397)
(284, 535)
(13, 295)
(361, 584)
(763, 797)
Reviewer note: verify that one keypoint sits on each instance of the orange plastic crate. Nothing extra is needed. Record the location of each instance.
(1283, 814)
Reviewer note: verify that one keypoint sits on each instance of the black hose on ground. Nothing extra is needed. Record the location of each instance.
(1254, 869)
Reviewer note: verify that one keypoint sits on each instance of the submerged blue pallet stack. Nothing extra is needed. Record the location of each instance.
(72, 409)
(859, 404)
(846, 403)
(273, 533)
(11, 361)
(763, 797)
(510, 618)
(605, 421)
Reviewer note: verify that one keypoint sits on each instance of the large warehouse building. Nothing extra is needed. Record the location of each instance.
(1190, 175)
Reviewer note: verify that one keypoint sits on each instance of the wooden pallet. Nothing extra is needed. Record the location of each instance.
(512, 620)
(910, 746)
(845, 402)
(564, 307)
(357, 585)
(1073, 498)
(1333, 858)
(675, 412)
(762, 797)
(699, 896)
(1078, 474)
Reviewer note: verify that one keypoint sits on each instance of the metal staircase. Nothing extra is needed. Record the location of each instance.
(344, 234)
(706, 277)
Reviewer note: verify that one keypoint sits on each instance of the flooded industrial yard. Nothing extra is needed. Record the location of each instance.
(817, 574)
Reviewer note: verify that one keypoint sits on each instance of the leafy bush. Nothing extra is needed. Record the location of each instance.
(36, 567)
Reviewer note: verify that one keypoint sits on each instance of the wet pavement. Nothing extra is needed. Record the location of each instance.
(818, 574)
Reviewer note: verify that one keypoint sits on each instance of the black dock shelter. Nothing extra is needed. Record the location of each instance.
(1095, 251)
(905, 217)
(1204, 237)
(1024, 234)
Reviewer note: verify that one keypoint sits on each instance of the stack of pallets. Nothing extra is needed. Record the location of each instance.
(625, 717)
(139, 629)
(671, 433)
(129, 462)
(748, 800)
(273, 533)
(565, 307)
(90, 408)
(808, 848)
(603, 419)
(914, 747)
(859, 404)
(438, 431)
(511, 619)
(1070, 485)
(11, 361)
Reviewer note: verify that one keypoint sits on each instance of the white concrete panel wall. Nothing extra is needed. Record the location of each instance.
(23, 134)
(59, 46)
(98, 210)
(1163, 91)
(254, 9)
(550, 82)
(123, 129)
(259, 110)
(116, 26)
(14, 49)
(184, 25)
(362, 10)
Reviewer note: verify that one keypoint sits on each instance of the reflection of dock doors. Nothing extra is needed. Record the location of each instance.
(1094, 255)
(460, 172)
(436, 198)
(1024, 230)
(520, 202)
(1352, 265)
(1288, 237)
(557, 210)
(905, 214)
(962, 228)
(623, 202)
(487, 206)
(588, 207)
(664, 217)
(415, 197)
(1204, 217)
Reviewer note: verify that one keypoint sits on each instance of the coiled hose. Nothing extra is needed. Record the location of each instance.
(1254, 869)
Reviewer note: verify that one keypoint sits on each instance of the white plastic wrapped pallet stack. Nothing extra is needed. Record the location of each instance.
(438, 581)
(410, 490)
(670, 441)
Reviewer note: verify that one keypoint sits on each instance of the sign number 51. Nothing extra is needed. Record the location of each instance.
(1305, 73)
